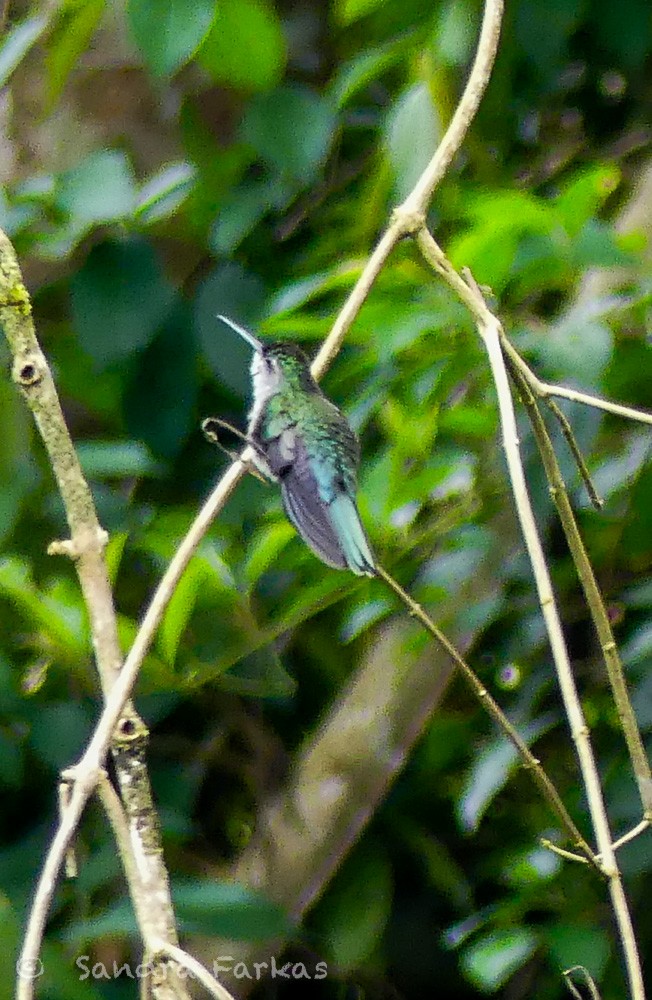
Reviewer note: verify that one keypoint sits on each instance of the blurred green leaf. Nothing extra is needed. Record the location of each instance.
(583, 195)
(242, 210)
(168, 32)
(350, 10)
(489, 962)
(291, 128)
(102, 188)
(18, 43)
(622, 37)
(356, 74)
(362, 617)
(18, 471)
(412, 132)
(11, 761)
(355, 912)
(267, 547)
(578, 348)
(259, 674)
(57, 610)
(164, 193)
(531, 867)
(114, 552)
(491, 770)
(117, 460)
(443, 872)
(227, 909)
(455, 36)
(60, 733)
(161, 396)
(230, 291)
(245, 46)
(180, 607)
(542, 31)
(573, 944)
(597, 246)
(75, 27)
(120, 299)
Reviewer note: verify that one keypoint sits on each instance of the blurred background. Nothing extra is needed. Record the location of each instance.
(161, 162)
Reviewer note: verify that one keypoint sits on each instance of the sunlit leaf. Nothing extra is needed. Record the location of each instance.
(245, 46)
(493, 959)
(75, 28)
(163, 194)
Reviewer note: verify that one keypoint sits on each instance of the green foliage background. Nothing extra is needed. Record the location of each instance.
(162, 162)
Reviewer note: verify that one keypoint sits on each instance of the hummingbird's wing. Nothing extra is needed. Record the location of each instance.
(315, 458)
(319, 501)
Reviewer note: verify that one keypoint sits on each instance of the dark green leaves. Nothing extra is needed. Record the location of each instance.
(291, 129)
(160, 401)
(120, 298)
(229, 910)
(233, 292)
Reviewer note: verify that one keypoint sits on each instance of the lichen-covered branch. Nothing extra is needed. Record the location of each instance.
(85, 547)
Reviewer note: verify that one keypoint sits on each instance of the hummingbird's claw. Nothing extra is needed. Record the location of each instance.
(210, 427)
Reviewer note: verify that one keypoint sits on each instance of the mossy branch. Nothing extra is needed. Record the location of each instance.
(127, 735)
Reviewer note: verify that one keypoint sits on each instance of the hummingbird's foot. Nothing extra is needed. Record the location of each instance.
(210, 427)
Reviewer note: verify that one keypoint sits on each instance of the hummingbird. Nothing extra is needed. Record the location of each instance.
(305, 443)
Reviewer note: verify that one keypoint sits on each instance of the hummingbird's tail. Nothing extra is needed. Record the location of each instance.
(332, 530)
(350, 533)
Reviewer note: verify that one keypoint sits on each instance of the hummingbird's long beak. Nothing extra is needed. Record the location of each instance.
(249, 337)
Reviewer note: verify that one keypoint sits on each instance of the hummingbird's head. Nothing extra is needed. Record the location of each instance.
(275, 366)
(278, 365)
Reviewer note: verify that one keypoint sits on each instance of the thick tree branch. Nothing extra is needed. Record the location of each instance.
(85, 546)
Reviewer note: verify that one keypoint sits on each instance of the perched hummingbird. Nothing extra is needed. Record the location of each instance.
(301, 440)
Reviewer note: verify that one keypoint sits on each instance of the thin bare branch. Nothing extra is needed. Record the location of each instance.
(595, 602)
(409, 216)
(582, 467)
(196, 969)
(588, 979)
(540, 777)
(416, 203)
(490, 331)
(632, 834)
